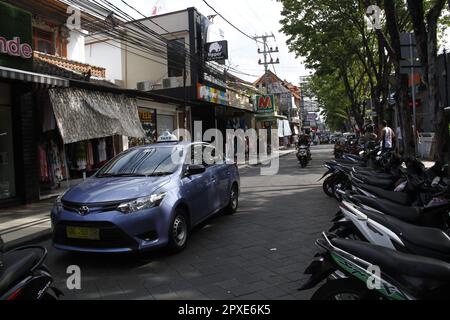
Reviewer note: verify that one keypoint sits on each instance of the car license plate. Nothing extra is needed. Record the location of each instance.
(83, 233)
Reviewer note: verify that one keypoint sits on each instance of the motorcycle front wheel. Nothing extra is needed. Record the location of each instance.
(328, 186)
(343, 289)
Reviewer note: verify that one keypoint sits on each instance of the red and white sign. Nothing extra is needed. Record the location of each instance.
(16, 49)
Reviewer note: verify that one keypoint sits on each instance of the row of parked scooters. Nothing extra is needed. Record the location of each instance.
(390, 238)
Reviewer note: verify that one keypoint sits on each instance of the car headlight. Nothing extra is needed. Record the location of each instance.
(142, 203)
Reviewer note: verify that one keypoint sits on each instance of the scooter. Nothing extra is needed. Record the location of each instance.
(403, 276)
(23, 275)
(303, 155)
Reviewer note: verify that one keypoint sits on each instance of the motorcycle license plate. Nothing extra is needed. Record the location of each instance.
(83, 233)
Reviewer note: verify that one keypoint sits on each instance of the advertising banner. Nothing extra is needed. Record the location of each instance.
(16, 39)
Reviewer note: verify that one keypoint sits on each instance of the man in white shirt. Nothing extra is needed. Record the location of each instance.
(387, 137)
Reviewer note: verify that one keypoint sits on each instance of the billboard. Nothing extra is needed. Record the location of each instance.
(265, 104)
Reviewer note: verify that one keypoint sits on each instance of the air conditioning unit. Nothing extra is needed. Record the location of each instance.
(172, 82)
(145, 85)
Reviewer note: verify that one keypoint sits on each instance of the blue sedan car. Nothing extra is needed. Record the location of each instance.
(143, 199)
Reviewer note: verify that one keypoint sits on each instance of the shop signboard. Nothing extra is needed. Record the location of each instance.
(210, 94)
(147, 115)
(15, 38)
(217, 51)
(265, 104)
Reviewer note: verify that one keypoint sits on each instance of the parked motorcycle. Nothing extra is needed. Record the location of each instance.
(23, 275)
(303, 155)
(347, 266)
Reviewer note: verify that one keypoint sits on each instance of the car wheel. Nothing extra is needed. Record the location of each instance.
(179, 231)
(234, 200)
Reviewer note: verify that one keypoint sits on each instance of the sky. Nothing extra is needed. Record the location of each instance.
(254, 17)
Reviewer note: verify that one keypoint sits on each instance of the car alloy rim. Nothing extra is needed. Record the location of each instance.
(234, 198)
(179, 230)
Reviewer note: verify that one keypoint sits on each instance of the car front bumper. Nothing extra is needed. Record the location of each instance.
(118, 232)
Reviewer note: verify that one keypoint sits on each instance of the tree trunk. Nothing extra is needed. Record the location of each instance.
(401, 81)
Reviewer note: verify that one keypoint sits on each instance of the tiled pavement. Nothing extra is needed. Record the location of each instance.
(258, 253)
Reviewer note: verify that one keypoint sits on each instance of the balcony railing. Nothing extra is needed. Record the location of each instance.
(71, 65)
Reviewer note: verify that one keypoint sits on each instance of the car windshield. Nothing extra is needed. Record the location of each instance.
(141, 162)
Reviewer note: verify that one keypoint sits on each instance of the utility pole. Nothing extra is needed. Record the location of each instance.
(267, 51)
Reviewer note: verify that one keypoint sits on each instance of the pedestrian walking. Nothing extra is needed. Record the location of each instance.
(387, 137)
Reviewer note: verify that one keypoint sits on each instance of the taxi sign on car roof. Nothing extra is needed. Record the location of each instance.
(166, 136)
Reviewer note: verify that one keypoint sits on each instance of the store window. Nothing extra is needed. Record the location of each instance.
(148, 121)
(7, 176)
(44, 41)
(175, 57)
(165, 123)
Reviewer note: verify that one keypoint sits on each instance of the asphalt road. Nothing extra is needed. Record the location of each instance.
(258, 253)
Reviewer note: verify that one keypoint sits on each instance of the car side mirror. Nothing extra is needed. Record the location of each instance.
(194, 169)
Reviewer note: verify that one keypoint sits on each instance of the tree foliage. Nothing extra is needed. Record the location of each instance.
(355, 65)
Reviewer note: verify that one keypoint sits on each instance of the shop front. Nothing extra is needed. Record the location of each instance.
(211, 100)
(80, 130)
(7, 170)
(157, 118)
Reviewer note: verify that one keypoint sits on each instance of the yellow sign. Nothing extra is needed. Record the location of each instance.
(146, 115)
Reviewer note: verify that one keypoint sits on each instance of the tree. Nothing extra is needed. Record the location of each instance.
(425, 25)
(334, 38)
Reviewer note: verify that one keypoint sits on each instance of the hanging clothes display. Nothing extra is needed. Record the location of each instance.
(43, 164)
(102, 150)
(280, 128)
(287, 128)
(89, 157)
(80, 156)
(55, 163)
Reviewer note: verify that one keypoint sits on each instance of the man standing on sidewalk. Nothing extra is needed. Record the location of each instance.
(387, 137)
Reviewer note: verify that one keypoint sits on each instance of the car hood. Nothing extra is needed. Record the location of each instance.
(98, 190)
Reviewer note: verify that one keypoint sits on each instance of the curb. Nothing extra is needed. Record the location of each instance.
(28, 240)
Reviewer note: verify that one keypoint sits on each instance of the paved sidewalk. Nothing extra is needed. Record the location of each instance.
(25, 224)
(31, 223)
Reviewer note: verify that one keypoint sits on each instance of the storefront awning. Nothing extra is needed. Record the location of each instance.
(21, 75)
(83, 115)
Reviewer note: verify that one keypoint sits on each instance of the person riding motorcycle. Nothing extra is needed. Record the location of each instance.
(305, 140)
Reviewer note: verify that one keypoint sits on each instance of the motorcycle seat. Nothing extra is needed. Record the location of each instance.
(404, 213)
(349, 162)
(372, 174)
(430, 242)
(400, 266)
(15, 265)
(382, 183)
(397, 197)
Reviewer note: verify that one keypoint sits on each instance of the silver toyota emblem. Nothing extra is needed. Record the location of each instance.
(83, 210)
